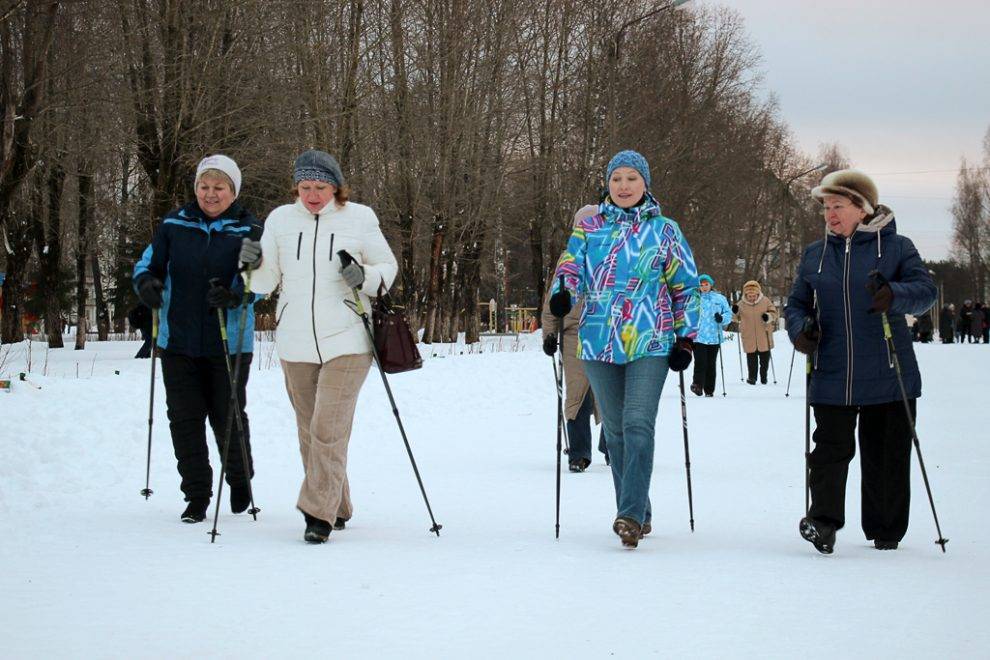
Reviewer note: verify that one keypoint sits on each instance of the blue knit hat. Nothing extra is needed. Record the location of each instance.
(316, 165)
(629, 158)
(706, 278)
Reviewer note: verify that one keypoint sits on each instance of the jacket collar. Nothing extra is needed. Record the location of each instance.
(330, 208)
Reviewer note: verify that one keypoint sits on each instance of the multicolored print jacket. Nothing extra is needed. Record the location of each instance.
(636, 274)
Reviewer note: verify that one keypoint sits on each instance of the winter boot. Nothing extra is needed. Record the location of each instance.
(317, 531)
(696, 389)
(240, 498)
(885, 545)
(196, 511)
(647, 528)
(628, 530)
(339, 523)
(578, 465)
(819, 534)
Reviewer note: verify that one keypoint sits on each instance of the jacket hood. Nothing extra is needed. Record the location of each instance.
(755, 302)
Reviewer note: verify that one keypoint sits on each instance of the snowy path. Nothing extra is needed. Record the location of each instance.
(92, 570)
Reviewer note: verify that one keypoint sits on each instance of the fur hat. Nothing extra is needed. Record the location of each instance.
(705, 277)
(752, 284)
(223, 164)
(849, 183)
(629, 158)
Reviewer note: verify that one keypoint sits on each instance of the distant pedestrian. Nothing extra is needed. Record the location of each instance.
(757, 317)
(715, 315)
(947, 323)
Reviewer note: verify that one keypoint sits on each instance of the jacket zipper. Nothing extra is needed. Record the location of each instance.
(312, 304)
(299, 246)
(849, 330)
(331, 247)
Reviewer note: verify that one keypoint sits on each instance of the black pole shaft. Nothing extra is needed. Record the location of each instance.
(807, 435)
(687, 453)
(773, 369)
(234, 410)
(151, 403)
(721, 365)
(739, 350)
(914, 432)
(560, 416)
(790, 372)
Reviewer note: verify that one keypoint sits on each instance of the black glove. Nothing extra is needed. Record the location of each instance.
(560, 303)
(806, 341)
(883, 296)
(680, 356)
(220, 296)
(718, 317)
(150, 291)
(550, 345)
(765, 317)
(735, 309)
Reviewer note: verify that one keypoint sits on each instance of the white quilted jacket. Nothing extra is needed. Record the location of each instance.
(299, 251)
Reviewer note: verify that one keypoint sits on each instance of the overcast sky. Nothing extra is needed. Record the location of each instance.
(903, 86)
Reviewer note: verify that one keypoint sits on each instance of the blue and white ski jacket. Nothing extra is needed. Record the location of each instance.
(187, 250)
(710, 330)
(636, 274)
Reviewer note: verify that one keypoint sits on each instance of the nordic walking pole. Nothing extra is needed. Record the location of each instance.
(807, 435)
(233, 410)
(358, 308)
(790, 372)
(687, 453)
(773, 369)
(146, 491)
(560, 393)
(879, 280)
(560, 410)
(721, 365)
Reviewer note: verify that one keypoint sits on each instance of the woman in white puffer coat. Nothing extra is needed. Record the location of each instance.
(323, 345)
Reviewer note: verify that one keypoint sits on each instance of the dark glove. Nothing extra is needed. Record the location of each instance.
(883, 296)
(150, 292)
(220, 296)
(735, 309)
(550, 345)
(250, 254)
(560, 303)
(351, 270)
(718, 317)
(680, 356)
(806, 341)
(765, 317)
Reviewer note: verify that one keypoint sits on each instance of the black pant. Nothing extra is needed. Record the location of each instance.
(705, 362)
(764, 358)
(197, 389)
(885, 463)
(145, 350)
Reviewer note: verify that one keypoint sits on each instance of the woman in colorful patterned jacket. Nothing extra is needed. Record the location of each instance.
(715, 315)
(636, 274)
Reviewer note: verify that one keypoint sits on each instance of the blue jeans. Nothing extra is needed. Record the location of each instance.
(628, 396)
(579, 431)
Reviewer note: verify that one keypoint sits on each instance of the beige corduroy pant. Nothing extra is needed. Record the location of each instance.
(324, 397)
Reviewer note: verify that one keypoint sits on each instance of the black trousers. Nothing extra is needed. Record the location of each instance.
(197, 389)
(764, 359)
(705, 363)
(885, 463)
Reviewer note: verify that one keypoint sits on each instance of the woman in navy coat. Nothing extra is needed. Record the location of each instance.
(834, 315)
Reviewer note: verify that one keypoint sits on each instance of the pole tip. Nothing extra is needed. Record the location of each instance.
(942, 542)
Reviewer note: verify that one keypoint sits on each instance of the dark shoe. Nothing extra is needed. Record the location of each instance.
(339, 523)
(751, 381)
(317, 531)
(646, 529)
(709, 395)
(696, 389)
(885, 545)
(578, 465)
(240, 498)
(196, 511)
(819, 534)
(763, 380)
(629, 531)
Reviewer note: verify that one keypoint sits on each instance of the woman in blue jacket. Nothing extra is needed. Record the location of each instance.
(194, 245)
(834, 315)
(636, 274)
(715, 315)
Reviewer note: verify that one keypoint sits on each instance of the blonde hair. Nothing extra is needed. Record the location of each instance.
(216, 174)
(341, 195)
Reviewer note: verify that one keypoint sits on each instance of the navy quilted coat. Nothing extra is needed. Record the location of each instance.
(852, 365)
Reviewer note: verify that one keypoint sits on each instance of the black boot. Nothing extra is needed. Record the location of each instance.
(240, 498)
(196, 511)
(885, 545)
(578, 465)
(819, 534)
(696, 389)
(339, 523)
(317, 531)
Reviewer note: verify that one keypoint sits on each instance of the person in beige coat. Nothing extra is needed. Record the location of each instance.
(756, 317)
(579, 401)
(323, 345)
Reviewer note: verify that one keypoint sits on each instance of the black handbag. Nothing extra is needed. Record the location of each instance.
(394, 341)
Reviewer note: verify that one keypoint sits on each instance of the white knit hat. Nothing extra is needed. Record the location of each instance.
(226, 165)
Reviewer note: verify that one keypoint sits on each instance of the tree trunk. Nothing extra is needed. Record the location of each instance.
(48, 243)
(85, 211)
(102, 312)
(17, 245)
(433, 292)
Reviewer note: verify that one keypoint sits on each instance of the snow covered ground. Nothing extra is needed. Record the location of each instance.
(92, 570)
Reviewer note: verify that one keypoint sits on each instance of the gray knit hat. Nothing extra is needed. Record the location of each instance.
(314, 165)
